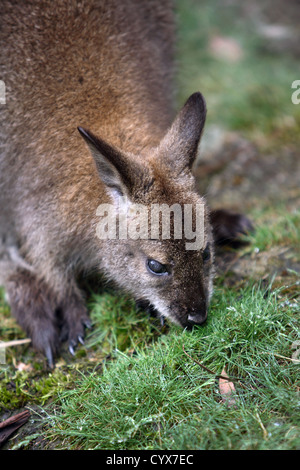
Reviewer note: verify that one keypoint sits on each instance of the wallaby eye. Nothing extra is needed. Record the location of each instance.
(206, 254)
(156, 267)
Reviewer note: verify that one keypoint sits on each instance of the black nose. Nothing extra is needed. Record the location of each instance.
(196, 319)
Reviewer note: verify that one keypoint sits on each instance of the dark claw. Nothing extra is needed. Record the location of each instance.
(162, 320)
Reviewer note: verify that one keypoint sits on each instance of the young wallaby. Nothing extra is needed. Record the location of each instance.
(107, 66)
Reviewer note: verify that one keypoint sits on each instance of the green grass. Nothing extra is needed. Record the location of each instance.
(275, 226)
(118, 324)
(159, 398)
(252, 94)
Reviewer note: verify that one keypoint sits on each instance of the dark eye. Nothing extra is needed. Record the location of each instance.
(156, 268)
(206, 254)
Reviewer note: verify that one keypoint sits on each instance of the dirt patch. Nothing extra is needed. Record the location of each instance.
(240, 176)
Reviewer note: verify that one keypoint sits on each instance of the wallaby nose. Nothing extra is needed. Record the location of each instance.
(196, 318)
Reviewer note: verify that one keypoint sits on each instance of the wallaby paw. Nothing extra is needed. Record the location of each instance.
(33, 306)
(75, 322)
(76, 337)
(229, 227)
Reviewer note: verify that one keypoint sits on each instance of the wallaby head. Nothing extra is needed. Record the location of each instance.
(168, 266)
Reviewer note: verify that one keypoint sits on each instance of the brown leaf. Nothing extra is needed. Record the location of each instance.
(227, 389)
(11, 424)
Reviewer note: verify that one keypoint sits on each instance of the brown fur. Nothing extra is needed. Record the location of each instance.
(108, 66)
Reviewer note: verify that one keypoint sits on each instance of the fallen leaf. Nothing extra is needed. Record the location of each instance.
(22, 367)
(227, 389)
(11, 424)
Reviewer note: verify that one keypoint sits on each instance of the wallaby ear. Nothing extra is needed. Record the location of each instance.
(180, 144)
(113, 167)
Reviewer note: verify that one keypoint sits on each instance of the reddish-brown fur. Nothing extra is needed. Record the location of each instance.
(106, 66)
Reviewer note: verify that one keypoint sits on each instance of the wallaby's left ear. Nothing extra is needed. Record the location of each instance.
(115, 169)
(180, 144)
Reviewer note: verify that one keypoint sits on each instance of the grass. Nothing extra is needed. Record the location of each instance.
(252, 94)
(276, 226)
(118, 324)
(158, 398)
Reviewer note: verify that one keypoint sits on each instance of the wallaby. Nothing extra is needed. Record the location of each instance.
(106, 66)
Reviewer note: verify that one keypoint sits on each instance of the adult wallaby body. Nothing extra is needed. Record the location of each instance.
(106, 66)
